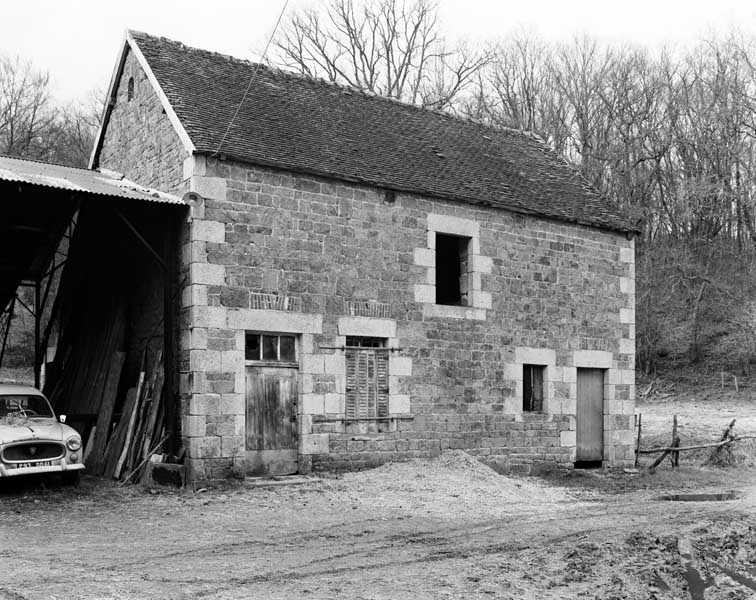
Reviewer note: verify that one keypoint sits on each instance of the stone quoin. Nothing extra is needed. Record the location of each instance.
(480, 297)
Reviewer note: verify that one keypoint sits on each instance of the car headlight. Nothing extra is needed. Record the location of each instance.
(73, 443)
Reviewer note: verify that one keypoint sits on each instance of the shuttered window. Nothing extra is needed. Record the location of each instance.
(367, 388)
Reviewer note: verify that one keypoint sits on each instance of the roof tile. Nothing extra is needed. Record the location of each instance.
(307, 125)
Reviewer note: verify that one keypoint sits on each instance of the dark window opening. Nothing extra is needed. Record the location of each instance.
(130, 89)
(367, 389)
(272, 348)
(532, 388)
(451, 269)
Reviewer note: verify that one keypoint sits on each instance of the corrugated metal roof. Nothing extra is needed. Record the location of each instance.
(104, 183)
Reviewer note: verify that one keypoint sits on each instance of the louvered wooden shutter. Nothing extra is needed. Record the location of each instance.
(366, 383)
(382, 382)
(351, 383)
(367, 387)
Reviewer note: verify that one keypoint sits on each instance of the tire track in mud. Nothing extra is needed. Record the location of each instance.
(427, 537)
(343, 549)
(434, 546)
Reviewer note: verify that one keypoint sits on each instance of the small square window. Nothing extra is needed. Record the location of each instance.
(452, 270)
(532, 388)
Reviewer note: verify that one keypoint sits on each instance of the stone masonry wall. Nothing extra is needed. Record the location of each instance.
(274, 251)
(140, 140)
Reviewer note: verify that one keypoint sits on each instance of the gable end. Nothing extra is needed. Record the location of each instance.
(129, 46)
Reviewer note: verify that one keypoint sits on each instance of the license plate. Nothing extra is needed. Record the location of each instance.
(42, 463)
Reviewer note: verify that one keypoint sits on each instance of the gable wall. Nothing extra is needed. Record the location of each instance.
(542, 292)
(140, 141)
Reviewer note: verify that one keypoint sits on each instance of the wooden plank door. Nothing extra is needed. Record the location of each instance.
(271, 436)
(590, 415)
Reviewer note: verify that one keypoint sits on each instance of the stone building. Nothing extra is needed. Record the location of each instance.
(365, 281)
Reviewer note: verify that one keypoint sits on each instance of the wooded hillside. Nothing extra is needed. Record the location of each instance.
(670, 136)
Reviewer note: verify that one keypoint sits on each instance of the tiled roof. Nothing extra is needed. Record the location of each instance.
(104, 183)
(311, 126)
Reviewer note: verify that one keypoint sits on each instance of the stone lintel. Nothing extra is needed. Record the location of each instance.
(592, 359)
(367, 327)
(535, 356)
(274, 321)
(453, 225)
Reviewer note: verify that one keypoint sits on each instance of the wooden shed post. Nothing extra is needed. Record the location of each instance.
(37, 332)
(169, 355)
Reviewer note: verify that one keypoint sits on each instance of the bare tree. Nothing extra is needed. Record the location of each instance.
(72, 137)
(33, 125)
(391, 47)
(26, 108)
(516, 90)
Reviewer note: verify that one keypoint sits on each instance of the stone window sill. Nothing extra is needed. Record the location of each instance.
(271, 363)
(396, 417)
(449, 311)
(535, 416)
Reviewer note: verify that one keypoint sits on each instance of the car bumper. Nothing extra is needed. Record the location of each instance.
(61, 467)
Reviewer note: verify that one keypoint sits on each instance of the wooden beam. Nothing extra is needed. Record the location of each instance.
(130, 420)
(105, 413)
(169, 358)
(37, 332)
(698, 446)
(658, 461)
(27, 228)
(139, 236)
(9, 314)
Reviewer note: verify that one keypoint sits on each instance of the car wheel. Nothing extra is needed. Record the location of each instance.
(71, 478)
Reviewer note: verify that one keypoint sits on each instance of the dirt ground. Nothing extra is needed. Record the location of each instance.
(446, 528)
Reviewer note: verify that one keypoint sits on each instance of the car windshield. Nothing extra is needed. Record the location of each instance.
(25, 405)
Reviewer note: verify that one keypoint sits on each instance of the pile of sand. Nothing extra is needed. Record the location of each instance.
(453, 484)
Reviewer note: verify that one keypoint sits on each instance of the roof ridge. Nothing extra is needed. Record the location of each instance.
(346, 86)
(316, 127)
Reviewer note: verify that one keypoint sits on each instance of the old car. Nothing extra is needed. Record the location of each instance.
(32, 440)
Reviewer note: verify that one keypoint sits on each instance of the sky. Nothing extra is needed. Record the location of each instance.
(77, 41)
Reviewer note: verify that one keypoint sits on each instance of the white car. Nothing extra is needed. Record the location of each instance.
(32, 440)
